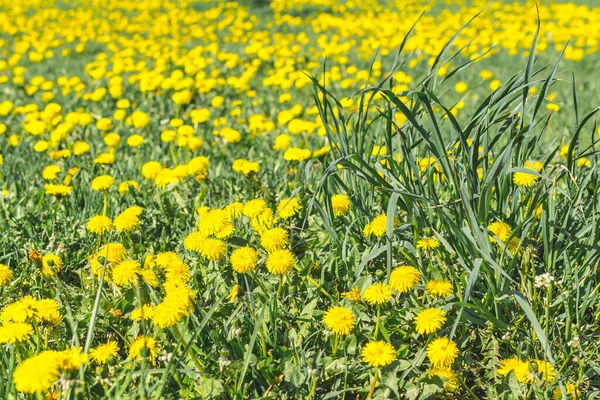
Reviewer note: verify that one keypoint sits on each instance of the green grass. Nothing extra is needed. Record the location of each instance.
(269, 340)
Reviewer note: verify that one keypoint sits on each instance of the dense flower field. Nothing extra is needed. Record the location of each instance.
(299, 199)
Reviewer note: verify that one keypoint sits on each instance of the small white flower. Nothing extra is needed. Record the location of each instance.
(544, 280)
(573, 342)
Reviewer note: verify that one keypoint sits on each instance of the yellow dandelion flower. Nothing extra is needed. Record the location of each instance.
(101, 354)
(51, 264)
(339, 320)
(572, 392)
(442, 352)
(450, 376)
(378, 354)
(254, 208)
(378, 293)
(143, 346)
(126, 222)
(15, 332)
(428, 244)
(340, 203)
(274, 239)
(38, 373)
(125, 273)
(439, 288)
(280, 262)
(102, 182)
(193, 241)
(430, 320)
(353, 294)
(404, 278)
(500, 229)
(6, 275)
(99, 224)
(287, 208)
(376, 227)
(142, 313)
(243, 260)
(213, 249)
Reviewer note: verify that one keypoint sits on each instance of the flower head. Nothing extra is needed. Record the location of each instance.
(430, 320)
(404, 278)
(141, 343)
(102, 182)
(378, 354)
(340, 203)
(274, 239)
(51, 264)
(243, 260)
(340, 320)
(442, 352)
(15, 332)
(99, 224)
(281, 262)
(101, 354)
(438, 288)
(287, 208)
(6, 275)
(500, 229)
(377, 293)
(428, 244)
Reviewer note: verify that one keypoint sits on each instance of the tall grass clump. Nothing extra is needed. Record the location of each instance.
(481, 201)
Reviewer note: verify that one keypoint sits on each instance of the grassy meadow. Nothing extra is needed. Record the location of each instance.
(299, 199)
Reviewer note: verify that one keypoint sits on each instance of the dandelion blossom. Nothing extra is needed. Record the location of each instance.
(125, 273)
(213, 249)
(377, 293)
(126, 222)
(99, 224)
(527, 179)
(510, 364)
(500, 229)
(430, 320)
(404, 278)
(281, 262)
(572, 392)
(442, 352)
(274, 239)
(139, 345)
(15, 332)
(450, 375)
(193, 241)
(378, 354)
(51, 264)
(6, 275)
(243, 260)
(353, 294)
(287, 208)
(142, 313)
(38, 373)
(438, 288)
(339, 320)
(376, 227)
(102, 182)
(101, 354)
(340, 204)
(254, 208)
(428, 244)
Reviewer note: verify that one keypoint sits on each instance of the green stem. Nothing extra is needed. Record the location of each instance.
(105, 210)
(90, 333)
(373, 384)
(377, 321)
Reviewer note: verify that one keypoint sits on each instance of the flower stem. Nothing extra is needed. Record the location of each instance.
(377, 321)
(105, 203)
(373, 384)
